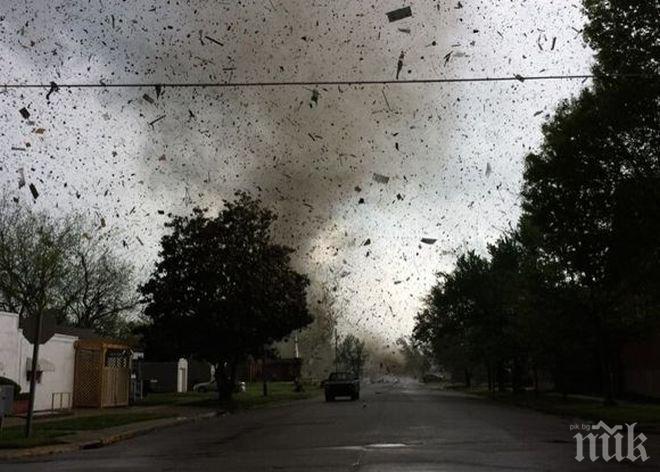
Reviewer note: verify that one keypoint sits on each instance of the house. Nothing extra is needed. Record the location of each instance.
(276, 370)
(55, 368)
(75, 366)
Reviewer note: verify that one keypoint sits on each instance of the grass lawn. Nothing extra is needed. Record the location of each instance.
(187, 399)
(278, 392)
(51, 432)
(643, 413)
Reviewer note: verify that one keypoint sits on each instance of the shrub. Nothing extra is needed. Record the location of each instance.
(17, 388)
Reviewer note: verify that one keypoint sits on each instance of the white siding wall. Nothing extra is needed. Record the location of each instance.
(9, 345)
(15, 351)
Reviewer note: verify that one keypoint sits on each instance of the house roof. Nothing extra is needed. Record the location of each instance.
(80, 333)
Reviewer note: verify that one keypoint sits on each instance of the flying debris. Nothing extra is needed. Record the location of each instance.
(381, 179)
(53, 88)
(156, 120)
(21, 177)
(489, 169)
(314, 101)
(24, 113)
(399, 64)
(429, 240)
(213, 40)
(33, 189)
(400, 14)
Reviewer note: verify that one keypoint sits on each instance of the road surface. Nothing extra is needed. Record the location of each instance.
(393, 428)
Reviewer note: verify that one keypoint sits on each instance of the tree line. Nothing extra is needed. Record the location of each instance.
(579, 276)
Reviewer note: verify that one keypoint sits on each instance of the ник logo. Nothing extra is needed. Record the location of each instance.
(610, 443)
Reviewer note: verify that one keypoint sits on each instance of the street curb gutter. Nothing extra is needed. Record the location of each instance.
(104, 441)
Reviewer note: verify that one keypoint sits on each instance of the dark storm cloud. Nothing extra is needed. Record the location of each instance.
(341, 165)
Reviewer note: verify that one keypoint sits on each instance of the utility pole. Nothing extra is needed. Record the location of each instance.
(33, 377)
(336, 350)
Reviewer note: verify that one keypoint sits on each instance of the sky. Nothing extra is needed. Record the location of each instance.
(358, 174)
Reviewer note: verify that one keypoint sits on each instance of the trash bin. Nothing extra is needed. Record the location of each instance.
(6, 399)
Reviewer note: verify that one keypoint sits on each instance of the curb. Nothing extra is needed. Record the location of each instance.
(11, 454)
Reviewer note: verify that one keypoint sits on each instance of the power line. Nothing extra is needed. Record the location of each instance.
(308, 83)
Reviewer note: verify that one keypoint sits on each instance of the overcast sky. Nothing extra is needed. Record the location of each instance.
(453, 152)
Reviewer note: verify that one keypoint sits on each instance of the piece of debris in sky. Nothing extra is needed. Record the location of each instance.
(315, 99)
(429, 240)
(33, 189)
(53, 88)
(156, 120)
(489, 169)
(213, 40)
(399, 65)
(404, 30)
(24, 113)
(519, 77)
(400, 14)
(159, 90)
(21, 178)
(381, 179)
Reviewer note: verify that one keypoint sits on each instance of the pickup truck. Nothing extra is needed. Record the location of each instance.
(342, 384)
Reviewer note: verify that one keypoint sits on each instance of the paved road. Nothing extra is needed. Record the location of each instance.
(395, 428)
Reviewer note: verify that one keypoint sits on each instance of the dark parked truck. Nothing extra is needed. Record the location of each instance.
(342, 384)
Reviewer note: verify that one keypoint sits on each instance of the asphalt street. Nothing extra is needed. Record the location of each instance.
(393, 428)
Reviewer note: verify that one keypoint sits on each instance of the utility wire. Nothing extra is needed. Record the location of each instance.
(309, 83)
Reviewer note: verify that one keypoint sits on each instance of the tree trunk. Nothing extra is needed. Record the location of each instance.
(500, 378)
(535, 371)
(489, 373)
(222, 382)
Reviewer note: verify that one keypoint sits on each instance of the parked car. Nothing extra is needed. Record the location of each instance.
(342, 384)
(212, 386)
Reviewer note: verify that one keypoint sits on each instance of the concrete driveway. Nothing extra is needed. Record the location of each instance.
(393, 428)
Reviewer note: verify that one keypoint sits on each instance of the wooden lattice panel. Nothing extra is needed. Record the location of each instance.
(87, 378)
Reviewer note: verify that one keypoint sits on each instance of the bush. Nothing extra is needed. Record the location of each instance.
(17, 388)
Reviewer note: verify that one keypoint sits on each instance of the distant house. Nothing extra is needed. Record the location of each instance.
(55, 368)
(276, 370)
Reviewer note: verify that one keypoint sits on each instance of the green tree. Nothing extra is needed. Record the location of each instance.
(60, 265)
(222, 289)
(415, 358)
(351, 355)
(458, 322)
(578, 188)
(99, 287)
